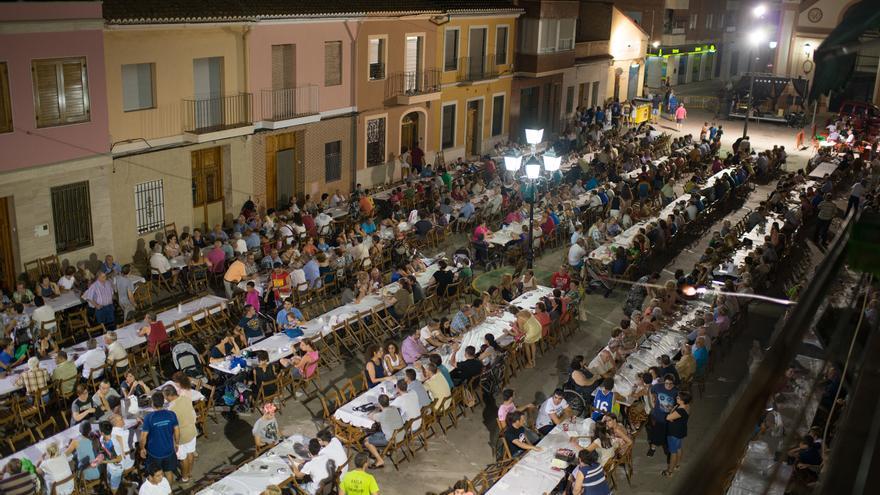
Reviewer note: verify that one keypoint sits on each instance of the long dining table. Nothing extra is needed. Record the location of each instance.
(279, 345)
(127, 335)
(253, 477)
(352, 412)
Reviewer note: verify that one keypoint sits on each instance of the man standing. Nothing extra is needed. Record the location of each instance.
(856, 194)
(827, 210)
(100, 297)
(182, 407)
(160, 436)
(236, 273)
(358, 481)
(125, 292)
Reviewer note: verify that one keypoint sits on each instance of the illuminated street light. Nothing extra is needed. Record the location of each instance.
(759, 10)
(757, 36)
(773, 45)
(655, 44)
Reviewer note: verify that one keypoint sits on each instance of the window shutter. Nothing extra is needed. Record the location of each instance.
(283, 66)
(76, 108)
(5, 104)
(48, 106)
(332, 63)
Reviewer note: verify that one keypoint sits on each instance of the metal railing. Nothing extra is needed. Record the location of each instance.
(289, 103)
(215, 114)
(477, 68)
(413, 83)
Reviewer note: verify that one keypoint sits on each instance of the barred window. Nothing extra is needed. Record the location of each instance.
(332, 161)
(376, 142)
(149, 206)
(72, 216)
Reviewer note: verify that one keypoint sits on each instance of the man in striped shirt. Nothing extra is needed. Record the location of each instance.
(100, 297)
(17, 482)
(589, 477)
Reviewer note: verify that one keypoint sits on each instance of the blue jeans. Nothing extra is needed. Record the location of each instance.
(105, 315)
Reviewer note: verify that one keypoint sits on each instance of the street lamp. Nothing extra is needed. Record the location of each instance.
(759, 10)
(756, 37)
(513, 162)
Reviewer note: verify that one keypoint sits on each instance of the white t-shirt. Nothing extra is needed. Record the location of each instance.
(547, 408)
(858, 190)
(424, 334)
(41, 314)
(408, 404)
(316, 467)
(576, 254)
(66, 282)
(336, 451)
(163, 488)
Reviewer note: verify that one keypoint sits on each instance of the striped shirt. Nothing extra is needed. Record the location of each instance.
(22, 483)
(594, 480)
(100, 293)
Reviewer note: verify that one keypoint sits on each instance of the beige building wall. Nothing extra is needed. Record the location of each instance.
(31, 202)
(174, 167)
(171, 51)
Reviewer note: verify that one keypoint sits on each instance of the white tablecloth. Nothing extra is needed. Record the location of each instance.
(824, 168)
(474, 337)
(127, 336)
(511, 232)
(270, 468)
(65, 301)
(534, 474)
(279, 345)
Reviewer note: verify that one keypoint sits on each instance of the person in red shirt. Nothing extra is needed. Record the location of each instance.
(547, 225)
(561, 279)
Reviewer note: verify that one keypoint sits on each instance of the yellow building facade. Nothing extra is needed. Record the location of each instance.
(475, 54)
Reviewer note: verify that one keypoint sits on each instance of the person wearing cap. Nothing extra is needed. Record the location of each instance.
(265, 428)
(34, 379)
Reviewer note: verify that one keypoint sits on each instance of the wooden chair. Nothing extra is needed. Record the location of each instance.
(88, 486)
(51, 266)
(446, 410)
(263, 396)
(159, 281)
(27, 415)
(33, 269)
(395, 446)
(47, 428)
(143, 296)
(65, 481)
(15, 441)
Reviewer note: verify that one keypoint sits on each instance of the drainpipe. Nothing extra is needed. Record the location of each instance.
(352, 37)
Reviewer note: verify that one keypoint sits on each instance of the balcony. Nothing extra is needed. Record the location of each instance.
(414, 87)
(207, 119)
(474, 69)
(289, 106)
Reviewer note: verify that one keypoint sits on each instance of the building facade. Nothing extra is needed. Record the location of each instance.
(56, 172)
(475, 56)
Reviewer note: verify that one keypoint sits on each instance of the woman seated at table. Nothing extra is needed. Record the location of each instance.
(489, 350)
(374, 371)
(670, 298)
(362, 286)
(543, 317)
(262, 373)
(130, 385)
(528, 281)
(48, 288)
(226, 347)
(155, 333)
(305, 364)
(509, 291)
(54, 467)
(172, 248)
(45, 345)
(392, 361)
(620, 263)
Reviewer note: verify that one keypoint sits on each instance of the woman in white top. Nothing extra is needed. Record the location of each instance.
(55, 467)
(528, 281)
(392, 361)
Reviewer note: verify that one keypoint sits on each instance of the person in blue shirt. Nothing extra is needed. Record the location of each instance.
(7, 356)
(313, 273)
(600, 116)
(252, 239)
(603, 196)
(110, 267)
(701, 354)
(427, 172)
(368, 226)
(159, 434)
(603, 401)
(467, 210)
(281, 317)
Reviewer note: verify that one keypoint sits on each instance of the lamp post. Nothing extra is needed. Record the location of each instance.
(756, 37)
(550, 161)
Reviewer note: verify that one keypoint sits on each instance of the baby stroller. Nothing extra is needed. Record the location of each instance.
(186, 359)
(595, 281)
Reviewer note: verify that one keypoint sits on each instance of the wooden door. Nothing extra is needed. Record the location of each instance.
(473, 141)
(286, 181)
(207, 187)
(409, 131)
(7, 257)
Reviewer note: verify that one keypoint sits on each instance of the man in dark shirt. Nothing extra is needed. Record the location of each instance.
(424, 225)
(667, 367)
(515, 435)
(467, 369)
(443, 277)
(250, 328)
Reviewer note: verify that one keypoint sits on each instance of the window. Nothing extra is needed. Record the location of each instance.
(72, 216)
(566, 34)
(447, 127)
(569, 99)
(549, 35)
(332, 161)
(332, 63)
(709, 21)
(283, 66)
(693, 22)
(450, 50)
(497, 115)
(376, 142)
(556, 35)
(207, 176)
(149, 206)
(137, 87)
(5, 102)
(377, 59)
(61, 91)
(501, 45)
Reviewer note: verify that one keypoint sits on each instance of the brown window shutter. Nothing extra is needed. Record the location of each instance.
(5, 103)
(332, 63)
(283, 66)
(48, 106)
(76, 106)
